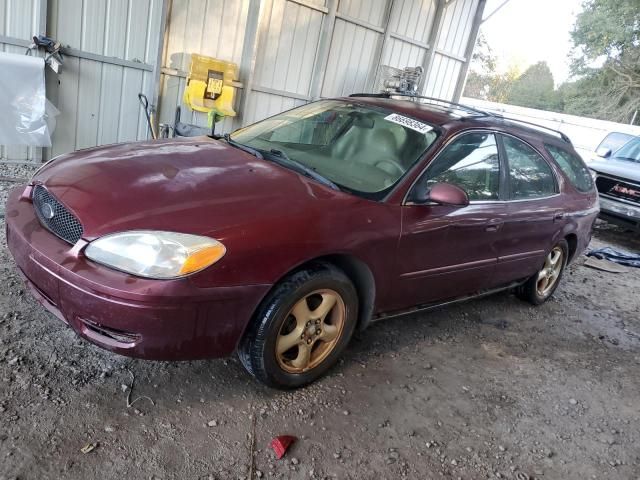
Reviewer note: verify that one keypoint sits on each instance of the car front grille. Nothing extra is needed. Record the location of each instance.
(55, 217)
(616, 188)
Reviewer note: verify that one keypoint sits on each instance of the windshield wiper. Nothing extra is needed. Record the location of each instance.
(253, 151)
(283, 159)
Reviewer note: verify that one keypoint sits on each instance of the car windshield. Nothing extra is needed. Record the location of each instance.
(630, 151)
(614, 141)
(362, 149)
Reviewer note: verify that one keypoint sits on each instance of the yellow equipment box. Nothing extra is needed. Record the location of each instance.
(209, 85)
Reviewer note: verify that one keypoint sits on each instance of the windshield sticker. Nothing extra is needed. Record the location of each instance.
(409, 123)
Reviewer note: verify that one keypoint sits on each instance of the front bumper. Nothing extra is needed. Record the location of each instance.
(152, 319)
(620, 212)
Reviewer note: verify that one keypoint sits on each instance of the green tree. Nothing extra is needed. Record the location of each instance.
(534, 89)
(483, 67)
(606, 32)
(483, 80)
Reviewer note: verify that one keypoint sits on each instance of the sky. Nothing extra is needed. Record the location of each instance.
(524, 32)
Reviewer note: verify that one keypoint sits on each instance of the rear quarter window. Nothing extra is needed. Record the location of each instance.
(573, 167)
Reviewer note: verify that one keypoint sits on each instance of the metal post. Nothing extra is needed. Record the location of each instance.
(163, 38)
(471, 42)
(45, 152)
(495, 11)
(382, 49)
(42, 18)
(255, 32)
(322, 54)
(433, 38)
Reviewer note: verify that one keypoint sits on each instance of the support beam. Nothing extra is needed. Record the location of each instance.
(497, 9)
(73, 52)
(163, 37)
(471, 42)
(410, 41)
(382, 48)
(16, 42)
(360, 23)
(431, 41)
(310, 5)
(254, 34)
(322, 53)
(42, 18)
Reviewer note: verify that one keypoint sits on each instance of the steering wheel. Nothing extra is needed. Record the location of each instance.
(395, 165)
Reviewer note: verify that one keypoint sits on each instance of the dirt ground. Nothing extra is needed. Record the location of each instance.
(493, 388)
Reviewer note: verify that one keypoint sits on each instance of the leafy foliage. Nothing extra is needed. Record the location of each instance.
(534, 88)
(606, 68)
(483, 80)
(608, 31)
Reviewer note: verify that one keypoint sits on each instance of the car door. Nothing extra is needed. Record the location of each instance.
(445, 251)
(534, 211)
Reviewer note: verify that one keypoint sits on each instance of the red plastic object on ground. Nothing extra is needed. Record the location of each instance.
(281, 444)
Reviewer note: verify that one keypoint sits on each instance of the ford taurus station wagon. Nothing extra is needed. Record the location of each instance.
(282, 239)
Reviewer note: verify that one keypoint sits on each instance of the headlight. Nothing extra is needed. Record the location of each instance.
(594, 174)
(154, 254)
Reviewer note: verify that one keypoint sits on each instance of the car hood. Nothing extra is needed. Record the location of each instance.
(198, 185)
(618, 168)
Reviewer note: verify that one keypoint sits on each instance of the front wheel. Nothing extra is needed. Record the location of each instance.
(539, 288)
(301, 328)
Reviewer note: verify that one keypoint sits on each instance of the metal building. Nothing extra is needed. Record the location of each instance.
(289, 52)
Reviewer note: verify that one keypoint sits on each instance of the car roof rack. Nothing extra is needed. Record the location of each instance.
(458, 106)
(465, 108)
(562, 135)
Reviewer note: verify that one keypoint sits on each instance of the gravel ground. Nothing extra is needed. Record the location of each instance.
(493, 388)
(14, 171)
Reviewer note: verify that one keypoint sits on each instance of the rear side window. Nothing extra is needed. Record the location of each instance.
(572, 167)
(530, 175)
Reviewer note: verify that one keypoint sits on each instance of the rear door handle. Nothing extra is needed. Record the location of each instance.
(558, 216)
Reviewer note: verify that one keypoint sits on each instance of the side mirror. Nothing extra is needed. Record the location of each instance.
(442, 194)
(603, 152)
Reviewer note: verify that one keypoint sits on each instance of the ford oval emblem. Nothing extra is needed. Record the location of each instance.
(47, 211)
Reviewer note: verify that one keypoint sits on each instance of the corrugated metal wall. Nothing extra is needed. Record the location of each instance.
(355, 47)
(450, 46)
(289, 52)
(19, 19)
(210, 27)
(98, 99)
(111, 48)
(363, 34)
(411, 24)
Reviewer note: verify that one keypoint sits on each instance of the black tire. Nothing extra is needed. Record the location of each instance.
(257, 350)
(529, 290)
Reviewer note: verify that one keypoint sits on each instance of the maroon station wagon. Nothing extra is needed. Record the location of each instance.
(282, 239)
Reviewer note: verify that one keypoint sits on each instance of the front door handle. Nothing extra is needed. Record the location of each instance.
(558, 216)
(494, 225)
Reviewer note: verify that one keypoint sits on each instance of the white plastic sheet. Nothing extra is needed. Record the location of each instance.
(25, 113)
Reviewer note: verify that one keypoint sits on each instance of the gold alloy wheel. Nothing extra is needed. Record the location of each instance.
(548, 276)
(311, 331)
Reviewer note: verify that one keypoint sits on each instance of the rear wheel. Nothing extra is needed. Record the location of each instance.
(539, 288)
(301, 328)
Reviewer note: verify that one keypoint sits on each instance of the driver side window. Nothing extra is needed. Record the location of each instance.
(471, 162)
